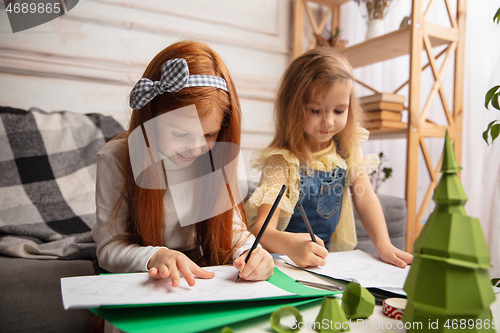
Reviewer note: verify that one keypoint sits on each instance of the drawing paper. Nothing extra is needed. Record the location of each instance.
(199, 316)
(140, 288)
(362, 267)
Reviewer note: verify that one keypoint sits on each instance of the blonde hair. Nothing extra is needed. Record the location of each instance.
(311, 73)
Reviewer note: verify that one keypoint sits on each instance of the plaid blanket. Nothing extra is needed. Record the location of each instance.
(47, 204)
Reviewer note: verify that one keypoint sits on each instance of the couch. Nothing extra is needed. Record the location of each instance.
(47, 208)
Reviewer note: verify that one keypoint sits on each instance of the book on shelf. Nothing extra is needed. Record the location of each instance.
(386, 106)
(382, 97)
(384, 115)
(378, 124)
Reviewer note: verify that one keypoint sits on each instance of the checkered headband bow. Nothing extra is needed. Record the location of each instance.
(174, 77)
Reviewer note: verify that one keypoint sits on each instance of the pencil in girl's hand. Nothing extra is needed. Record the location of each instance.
(306, 221)
(264, 226)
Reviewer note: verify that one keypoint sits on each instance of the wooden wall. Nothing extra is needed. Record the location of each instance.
(88, 60)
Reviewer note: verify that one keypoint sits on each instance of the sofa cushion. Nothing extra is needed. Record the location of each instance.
(47, 205)
(30, 300)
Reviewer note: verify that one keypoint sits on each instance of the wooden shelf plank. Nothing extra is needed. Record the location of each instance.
(388, 46)
(329, 2)
(388, 133)
(393, 45)
(439, 34)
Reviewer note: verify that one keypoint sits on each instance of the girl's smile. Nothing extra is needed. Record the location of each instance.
(186, 158)
(182, 136)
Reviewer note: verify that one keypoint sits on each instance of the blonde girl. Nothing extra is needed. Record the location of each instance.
(316, 152)
(185, 108)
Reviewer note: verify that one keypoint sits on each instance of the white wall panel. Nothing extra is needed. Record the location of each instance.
(89, 59)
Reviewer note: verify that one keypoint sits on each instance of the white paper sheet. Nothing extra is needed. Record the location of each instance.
(362, 267)
(138, 288)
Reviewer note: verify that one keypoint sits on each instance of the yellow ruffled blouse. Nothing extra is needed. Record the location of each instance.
(279, 166)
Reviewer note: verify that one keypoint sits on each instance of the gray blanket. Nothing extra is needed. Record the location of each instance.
(47, 204)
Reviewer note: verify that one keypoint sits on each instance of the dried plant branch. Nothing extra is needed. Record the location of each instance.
(375, 9)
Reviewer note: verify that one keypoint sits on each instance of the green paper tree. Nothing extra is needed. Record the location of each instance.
(331, 318)
(448, 286)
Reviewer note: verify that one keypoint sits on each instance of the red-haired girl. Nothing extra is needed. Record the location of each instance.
(160, 188)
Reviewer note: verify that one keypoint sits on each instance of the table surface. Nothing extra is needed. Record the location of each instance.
(377, 322)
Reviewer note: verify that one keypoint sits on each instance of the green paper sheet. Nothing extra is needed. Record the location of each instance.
(204, 316)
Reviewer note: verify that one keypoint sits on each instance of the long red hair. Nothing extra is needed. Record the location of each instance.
(146, 220)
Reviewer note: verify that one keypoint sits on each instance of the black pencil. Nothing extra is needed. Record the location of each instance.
(264, 226)
(306, 221)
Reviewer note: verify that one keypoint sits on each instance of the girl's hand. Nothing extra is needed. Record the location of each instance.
(392, 255)
(170, 263)
(259, 267)
(304, 252)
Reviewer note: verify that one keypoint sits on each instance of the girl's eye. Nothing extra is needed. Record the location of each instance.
(211, 135)
(339, 111)
(314, 111)
(179, 134)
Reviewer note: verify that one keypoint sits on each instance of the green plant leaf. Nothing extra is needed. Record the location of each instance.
(489, 95)
(387, 172)
(487, 131)
(495, 130)
(494, 101)
(496, 18)
(485, 137)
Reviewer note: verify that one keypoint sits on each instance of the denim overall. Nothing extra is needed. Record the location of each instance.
(321, 196)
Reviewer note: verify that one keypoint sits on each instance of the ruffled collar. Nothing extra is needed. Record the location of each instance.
(327, 159)
(323, 151)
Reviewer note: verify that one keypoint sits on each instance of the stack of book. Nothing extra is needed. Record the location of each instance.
(383, 110)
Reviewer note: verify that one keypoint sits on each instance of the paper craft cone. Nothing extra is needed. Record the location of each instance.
(448, 284)
(357, 302)
(331, 318)
(283, 311)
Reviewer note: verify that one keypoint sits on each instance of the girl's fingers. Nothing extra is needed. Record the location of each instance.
(175, 276)
(315, 255)
(394, 258)
(397, 257)
(263, 272)
(398, 262)
(407, 257)
(240, 263)
(163, 272)
(174, 269)
(318, 261)
(258, 267)
(186, 274)
(320, 251)
(153, 272)
(201, 273)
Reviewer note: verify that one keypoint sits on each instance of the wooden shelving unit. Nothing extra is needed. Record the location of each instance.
(392, 45)
(412, 40)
